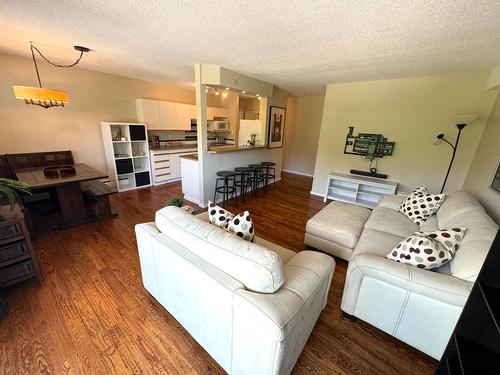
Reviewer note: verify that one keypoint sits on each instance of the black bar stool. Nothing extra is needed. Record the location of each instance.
(244, 183)
(227, 178)
(269, 173)
(257, 177)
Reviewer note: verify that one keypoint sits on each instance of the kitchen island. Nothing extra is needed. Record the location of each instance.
(220, 159)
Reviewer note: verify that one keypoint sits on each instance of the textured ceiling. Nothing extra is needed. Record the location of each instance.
(297, 45)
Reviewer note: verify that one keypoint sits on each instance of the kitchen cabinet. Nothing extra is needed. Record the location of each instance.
(166, 164)
(192, 111)
(220, 112)
(147, 112)
(182, 116)
(167, 116)
(160, 115)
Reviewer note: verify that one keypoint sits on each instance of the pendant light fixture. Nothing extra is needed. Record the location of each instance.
(41, 96)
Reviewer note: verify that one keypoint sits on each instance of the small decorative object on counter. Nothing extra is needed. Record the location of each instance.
(174, 202)
(124, 139)
(252, 140)
(155, 142)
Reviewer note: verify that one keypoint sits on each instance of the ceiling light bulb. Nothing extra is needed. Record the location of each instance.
(224, 94)
(257, 95)
(216, 93)
(227, 88)
(243, 92)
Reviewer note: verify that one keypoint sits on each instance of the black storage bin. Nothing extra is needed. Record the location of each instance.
(137, 132)
(124, 166)
(142, 179)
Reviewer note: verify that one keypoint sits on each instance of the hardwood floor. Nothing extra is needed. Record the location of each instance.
(91, 314)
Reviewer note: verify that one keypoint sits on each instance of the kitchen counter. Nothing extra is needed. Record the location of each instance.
(190, 157)
(176, 148)
(232, 148)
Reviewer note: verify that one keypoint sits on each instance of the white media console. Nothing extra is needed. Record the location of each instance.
(358, 190)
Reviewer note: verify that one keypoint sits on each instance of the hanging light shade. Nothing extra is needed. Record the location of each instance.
(41, 96)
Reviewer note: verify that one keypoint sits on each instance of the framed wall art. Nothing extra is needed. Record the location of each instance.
(276, 127)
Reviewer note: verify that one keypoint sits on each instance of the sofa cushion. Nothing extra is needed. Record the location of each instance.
(480, 232)
(375, 242)
(256, 267)
(339, 222)
(456, 203)
(392, 222)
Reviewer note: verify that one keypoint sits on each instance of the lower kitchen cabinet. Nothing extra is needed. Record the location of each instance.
(166, 165)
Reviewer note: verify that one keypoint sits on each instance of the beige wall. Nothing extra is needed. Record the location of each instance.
(410, 112)
(303, 124)
(484, 165)
(94, 97)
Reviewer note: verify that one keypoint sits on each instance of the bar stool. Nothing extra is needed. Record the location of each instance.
(244, 183)
(257, 177)
(267, 174)
(227, 178)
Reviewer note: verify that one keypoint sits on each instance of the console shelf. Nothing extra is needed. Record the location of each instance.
(358, 190)
(127, 158)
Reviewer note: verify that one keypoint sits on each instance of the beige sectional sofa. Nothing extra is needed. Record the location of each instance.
(419, 307)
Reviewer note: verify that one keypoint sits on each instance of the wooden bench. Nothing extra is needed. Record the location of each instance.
(99, 193)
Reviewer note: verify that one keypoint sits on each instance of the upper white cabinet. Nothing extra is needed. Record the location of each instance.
(183, 116)
(168, 119)
(147, 112)
(160, 115)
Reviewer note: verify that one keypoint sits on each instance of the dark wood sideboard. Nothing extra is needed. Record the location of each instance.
(17, 260)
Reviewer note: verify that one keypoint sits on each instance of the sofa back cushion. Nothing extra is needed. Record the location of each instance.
(257, 268)
(460, 209)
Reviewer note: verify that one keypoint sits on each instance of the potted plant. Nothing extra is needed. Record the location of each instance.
(8, 192)
(174, 202)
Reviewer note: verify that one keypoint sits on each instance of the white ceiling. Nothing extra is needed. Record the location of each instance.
(297, 45)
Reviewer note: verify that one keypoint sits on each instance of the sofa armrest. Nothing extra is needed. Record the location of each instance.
(435, 285)
(280, 323)
(391, 201)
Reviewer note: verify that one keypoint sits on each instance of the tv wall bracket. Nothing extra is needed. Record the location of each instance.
(368, 145)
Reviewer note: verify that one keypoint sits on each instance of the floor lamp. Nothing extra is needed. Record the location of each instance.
(461, 124)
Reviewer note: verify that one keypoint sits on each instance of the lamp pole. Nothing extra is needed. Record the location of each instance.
(454, 147)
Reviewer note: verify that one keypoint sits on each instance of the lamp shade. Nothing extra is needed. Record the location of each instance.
(41, 96)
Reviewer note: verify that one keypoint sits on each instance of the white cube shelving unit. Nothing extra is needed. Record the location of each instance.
(128, 159)
(358, 190)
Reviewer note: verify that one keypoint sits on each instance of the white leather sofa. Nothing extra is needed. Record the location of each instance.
(252, 306)
(417, 306)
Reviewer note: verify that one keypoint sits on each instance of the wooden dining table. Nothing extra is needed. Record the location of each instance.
(68, 190)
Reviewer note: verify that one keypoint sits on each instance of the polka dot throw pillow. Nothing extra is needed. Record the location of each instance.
(420, 205)
(218, 216)
(428, 250)
(242, 226)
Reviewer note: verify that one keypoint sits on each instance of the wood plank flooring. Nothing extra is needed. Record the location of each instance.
(91, 314)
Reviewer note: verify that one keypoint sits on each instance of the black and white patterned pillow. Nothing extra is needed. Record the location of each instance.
(218, 216)
(420, 205)
(428, 250)
(242, 226)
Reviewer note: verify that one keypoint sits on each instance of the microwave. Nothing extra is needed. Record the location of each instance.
(218, 126)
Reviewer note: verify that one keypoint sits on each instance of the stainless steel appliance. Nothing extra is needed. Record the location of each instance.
(218, 126)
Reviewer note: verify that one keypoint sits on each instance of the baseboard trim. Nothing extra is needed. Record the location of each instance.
(299, 173)
(317, 194)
